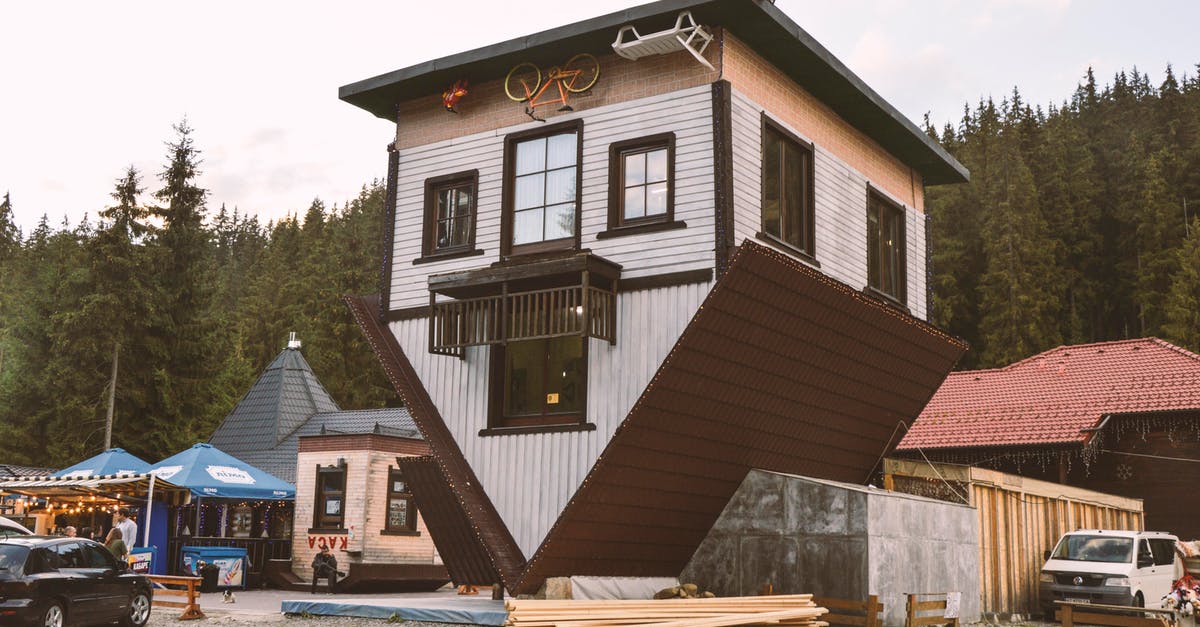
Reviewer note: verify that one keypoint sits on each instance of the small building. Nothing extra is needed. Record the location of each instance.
(1117, 417)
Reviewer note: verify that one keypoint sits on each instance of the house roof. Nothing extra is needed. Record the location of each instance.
(757, 22)
(286, 402)
(1055, 397)
(15, 471)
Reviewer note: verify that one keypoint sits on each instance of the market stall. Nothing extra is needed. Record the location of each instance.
(233, 505)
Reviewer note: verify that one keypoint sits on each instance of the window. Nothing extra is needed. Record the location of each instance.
(885, 248)
(401, 512)
(97, 556)
(539, 382)
(541, 201)
(331, 492)
(450, 208)
(641, 181)
(71, 555)
(1164, 551)
(787, 189)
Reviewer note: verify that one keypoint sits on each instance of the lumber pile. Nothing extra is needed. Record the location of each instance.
(793, 609)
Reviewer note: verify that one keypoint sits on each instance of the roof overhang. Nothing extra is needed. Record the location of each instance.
(138, 484)
(759, 23)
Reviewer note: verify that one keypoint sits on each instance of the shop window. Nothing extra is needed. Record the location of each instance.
(886, 273)
(541, 189)
(539, 382)
(330, 510)
(641, 181)
(450, 214)
(401, 511)
(788, 204)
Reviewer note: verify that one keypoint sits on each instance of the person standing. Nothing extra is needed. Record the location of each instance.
(116, 545)
(69, 531)
(325, 565)
(127, 526)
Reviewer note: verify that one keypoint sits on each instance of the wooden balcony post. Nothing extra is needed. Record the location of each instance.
(587, 312)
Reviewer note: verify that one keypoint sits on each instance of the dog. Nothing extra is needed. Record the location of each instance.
(229, 597)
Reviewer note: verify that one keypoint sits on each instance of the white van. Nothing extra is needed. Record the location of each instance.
(1110, 567)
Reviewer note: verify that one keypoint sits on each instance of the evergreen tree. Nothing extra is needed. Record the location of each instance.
(1183, 301)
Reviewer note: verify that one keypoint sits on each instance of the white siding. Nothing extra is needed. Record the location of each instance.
(530, 477)
(687, 113)
(841, 199)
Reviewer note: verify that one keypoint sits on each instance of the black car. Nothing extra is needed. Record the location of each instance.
(55, 581)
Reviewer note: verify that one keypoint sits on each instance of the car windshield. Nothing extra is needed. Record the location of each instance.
(1081, 548)
(12, 560)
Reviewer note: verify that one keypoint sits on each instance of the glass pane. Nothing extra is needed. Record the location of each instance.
(560, 186)
(873, 245)
(444, 203)
(793, 196)
(892, 246)
(462, 206)
(560, 221)
(635, 169)
(656, 199)
(771, 183)
(635, 202)
(397, 513)
(443, 233)
(531, 156)
(530, 192)
(656, 165)
(331, 481)
(527, 226)
(566, 376)
(561, 151)
(333, 506)
(524, 378)
(460, 235)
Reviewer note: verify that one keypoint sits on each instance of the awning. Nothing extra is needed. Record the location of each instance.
(74, 486)
(114, 461)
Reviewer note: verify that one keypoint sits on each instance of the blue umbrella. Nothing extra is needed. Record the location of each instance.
(114, 461)
(210, 472)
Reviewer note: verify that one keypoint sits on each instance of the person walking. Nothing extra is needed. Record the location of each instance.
(325, 565)
(116, 545)
(127, 526)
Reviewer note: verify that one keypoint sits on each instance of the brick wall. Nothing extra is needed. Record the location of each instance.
(770, 88)
(365, 511)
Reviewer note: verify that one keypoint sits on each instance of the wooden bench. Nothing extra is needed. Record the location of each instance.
(917, 612)
(851, 612)
(1116, 615)
(191, 607)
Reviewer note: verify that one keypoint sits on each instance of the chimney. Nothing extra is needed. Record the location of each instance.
(293, 343)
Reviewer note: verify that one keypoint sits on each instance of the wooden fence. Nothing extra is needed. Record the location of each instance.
(185, 589)
(1019, 520)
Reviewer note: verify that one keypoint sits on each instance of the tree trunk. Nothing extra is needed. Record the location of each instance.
(112, 398)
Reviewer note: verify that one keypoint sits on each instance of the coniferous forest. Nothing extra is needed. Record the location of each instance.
(1079, 224)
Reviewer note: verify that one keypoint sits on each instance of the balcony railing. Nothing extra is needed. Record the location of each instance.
(584, 310)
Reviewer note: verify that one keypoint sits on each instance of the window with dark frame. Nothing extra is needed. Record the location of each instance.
(541, 197)
(539, 382)
(450, 213)
(886, 272)
(401, 511)
(642, 181)
(788, 205)
(330, 509)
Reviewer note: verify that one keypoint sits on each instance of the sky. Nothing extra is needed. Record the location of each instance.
(90, 88)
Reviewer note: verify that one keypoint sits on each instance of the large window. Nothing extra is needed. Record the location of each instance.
(539, 382)
(542, 189)
(450, 209)
(330, 508)
(641, 181)
(401, 512)
(787, 189)
(885, 248)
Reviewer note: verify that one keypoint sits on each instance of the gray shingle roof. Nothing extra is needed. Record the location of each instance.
(14, 471)
(288, 401)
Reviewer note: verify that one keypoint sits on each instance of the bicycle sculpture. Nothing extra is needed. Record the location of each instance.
(524, 83)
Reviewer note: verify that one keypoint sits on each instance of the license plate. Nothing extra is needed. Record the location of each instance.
(1070, 600)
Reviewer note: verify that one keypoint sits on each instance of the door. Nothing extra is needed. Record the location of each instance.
(112, 591)
(73, 564)
(1162, 551)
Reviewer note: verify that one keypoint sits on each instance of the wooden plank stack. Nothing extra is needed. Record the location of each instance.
(791, 609)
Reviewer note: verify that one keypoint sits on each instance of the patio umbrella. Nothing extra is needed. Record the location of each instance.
(210, 472)
(114, 461)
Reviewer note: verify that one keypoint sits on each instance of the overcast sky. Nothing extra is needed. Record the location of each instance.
(89, 88)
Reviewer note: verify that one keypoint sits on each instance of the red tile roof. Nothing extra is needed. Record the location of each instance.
(1050, 397)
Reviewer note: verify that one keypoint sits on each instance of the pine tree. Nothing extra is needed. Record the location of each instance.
(1183, 301)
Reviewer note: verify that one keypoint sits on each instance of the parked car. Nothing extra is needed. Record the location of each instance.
(55, 581)
(1109, 567)
(10, 527)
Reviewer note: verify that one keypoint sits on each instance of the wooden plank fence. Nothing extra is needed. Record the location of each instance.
(1114, 615)
(191, 603)
(921, 613)
(851, 612)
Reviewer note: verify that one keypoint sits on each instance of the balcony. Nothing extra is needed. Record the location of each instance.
(528, 300)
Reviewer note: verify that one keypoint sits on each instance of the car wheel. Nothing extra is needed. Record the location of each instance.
(53, 615)
(139, 610)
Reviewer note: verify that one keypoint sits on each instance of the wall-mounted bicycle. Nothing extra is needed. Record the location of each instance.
(524, 83)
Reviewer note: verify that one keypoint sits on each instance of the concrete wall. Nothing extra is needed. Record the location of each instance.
(809, 536)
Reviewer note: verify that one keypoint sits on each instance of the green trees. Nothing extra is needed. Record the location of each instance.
(1072, 227)
(189, 306)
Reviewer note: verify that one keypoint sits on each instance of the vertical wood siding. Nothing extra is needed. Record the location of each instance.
(530, 477)
(687, 113)
(841, 207)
